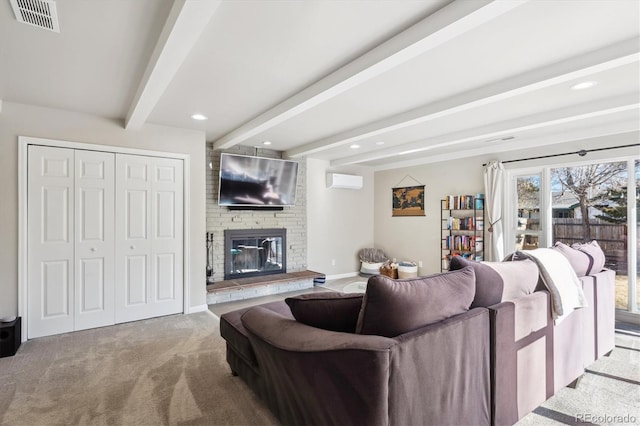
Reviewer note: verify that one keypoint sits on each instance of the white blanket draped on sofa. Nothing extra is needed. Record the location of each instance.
(558, 276)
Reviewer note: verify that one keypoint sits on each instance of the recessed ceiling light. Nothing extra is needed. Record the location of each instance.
(380, 143)
(266, 143)
(584, 85)
(199, 117)
(354, 146)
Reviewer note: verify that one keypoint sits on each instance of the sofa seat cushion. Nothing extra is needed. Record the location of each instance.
(232, 330)
(393, 307)
(499, 281)
(330, 310)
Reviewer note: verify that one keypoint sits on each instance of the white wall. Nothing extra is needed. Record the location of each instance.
(24, 120)
(339, 221)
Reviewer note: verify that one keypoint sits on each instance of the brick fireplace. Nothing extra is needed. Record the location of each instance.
(220, 219)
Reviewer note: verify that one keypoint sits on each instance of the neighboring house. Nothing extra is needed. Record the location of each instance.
(565, 205)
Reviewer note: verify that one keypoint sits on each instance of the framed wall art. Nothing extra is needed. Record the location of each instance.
(408, 201)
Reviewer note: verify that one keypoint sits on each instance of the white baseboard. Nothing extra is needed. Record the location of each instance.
(338, 276)
(198, 308)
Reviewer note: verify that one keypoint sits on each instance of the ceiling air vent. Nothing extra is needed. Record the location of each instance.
(39, 13)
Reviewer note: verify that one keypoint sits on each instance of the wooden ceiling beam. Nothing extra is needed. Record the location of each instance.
(182, 29)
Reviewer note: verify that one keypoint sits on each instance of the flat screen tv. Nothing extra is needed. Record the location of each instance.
(256, 181)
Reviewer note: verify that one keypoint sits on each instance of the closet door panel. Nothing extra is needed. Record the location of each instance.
(91, 286)
(94, 242)
(149, 221)
(54, 289)
(133, 242)
(50, 260)
(136, 280)
(167, 238)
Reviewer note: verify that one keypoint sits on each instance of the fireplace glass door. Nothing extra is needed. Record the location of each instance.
(253, 255)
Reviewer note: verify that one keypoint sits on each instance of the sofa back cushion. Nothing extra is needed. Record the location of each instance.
(329, 310)
(499, 281)
(393, 307)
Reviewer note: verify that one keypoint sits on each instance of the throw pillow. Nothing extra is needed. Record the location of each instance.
(393, 307)
(499, 281)
(579, 260)
(329, 310)
(595, 253)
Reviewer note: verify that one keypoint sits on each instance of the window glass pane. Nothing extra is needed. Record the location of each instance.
(637, 219)
(528, 220)
(526, 242)
(590, 203)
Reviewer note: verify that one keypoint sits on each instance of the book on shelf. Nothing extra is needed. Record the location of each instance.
(458, 202)
(459, 242)
(460, 223)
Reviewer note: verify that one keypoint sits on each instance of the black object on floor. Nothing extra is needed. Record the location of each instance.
(10, 337)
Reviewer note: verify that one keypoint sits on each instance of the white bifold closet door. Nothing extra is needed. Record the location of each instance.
(149, 241)
(94, 239)
(105, 238)
(70, 238)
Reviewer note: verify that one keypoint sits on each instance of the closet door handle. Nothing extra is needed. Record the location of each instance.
(132, 247)
(94, 249)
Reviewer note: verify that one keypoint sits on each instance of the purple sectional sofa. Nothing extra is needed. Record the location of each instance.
(421, 357)
(436, 373)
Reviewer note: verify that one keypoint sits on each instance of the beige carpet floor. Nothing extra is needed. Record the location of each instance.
(172, 371)
(163, 371)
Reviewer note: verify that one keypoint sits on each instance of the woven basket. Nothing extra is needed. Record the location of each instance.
(389, 272)
(407, 271)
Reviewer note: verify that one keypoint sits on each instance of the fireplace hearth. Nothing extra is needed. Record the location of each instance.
(254, 252)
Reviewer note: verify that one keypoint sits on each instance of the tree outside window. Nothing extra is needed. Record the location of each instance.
(590, 203)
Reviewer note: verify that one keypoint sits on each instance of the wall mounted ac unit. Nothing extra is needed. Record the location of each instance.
(337, 180)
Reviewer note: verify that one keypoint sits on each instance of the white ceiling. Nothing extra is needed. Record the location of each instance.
(407, 81)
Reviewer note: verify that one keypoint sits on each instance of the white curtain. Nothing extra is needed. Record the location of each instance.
(493, 187)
